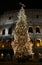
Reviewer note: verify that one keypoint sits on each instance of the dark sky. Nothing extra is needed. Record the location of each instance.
(6, 5)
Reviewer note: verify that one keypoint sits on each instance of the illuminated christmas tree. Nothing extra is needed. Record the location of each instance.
(21, 44)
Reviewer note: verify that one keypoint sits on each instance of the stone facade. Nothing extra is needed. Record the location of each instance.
(34, 20)
(7, 24)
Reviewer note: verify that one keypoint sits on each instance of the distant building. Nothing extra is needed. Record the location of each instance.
(8, 22)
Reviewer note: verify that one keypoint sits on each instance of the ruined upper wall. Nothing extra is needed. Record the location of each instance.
(34, 16)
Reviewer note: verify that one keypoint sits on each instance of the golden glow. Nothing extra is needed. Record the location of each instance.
(2, 54)
(41, 43)
(38, 26)
(3, 46)
(39, 39)
(38, 44)
(31, 44)
(37, 29)
(37, 32)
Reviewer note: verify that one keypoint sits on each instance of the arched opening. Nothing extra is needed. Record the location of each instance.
(8, 43)
(3, 32)
(10, 30)
(9, 17)
(37, 29)
(32, 42)
(38, 41)
(30, 30)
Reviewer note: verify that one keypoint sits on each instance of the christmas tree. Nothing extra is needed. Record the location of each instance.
(21, 44)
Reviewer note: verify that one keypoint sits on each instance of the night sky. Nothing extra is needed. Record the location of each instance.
(6, 5)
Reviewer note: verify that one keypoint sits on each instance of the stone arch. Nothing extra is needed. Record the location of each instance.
(30, 30)
(37, 29)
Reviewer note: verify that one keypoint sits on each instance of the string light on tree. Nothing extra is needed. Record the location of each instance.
(21, 41)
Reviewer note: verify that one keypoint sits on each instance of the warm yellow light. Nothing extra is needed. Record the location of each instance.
(39, 39)
(31, 44)
(37, 32)
(38, 26)
(2, 54)
(41, 43)
(3, 46)
(37, 44)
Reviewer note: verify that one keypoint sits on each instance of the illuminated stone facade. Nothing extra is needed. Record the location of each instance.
(34, 20)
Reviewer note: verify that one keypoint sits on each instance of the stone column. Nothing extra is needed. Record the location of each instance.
(6, 31)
